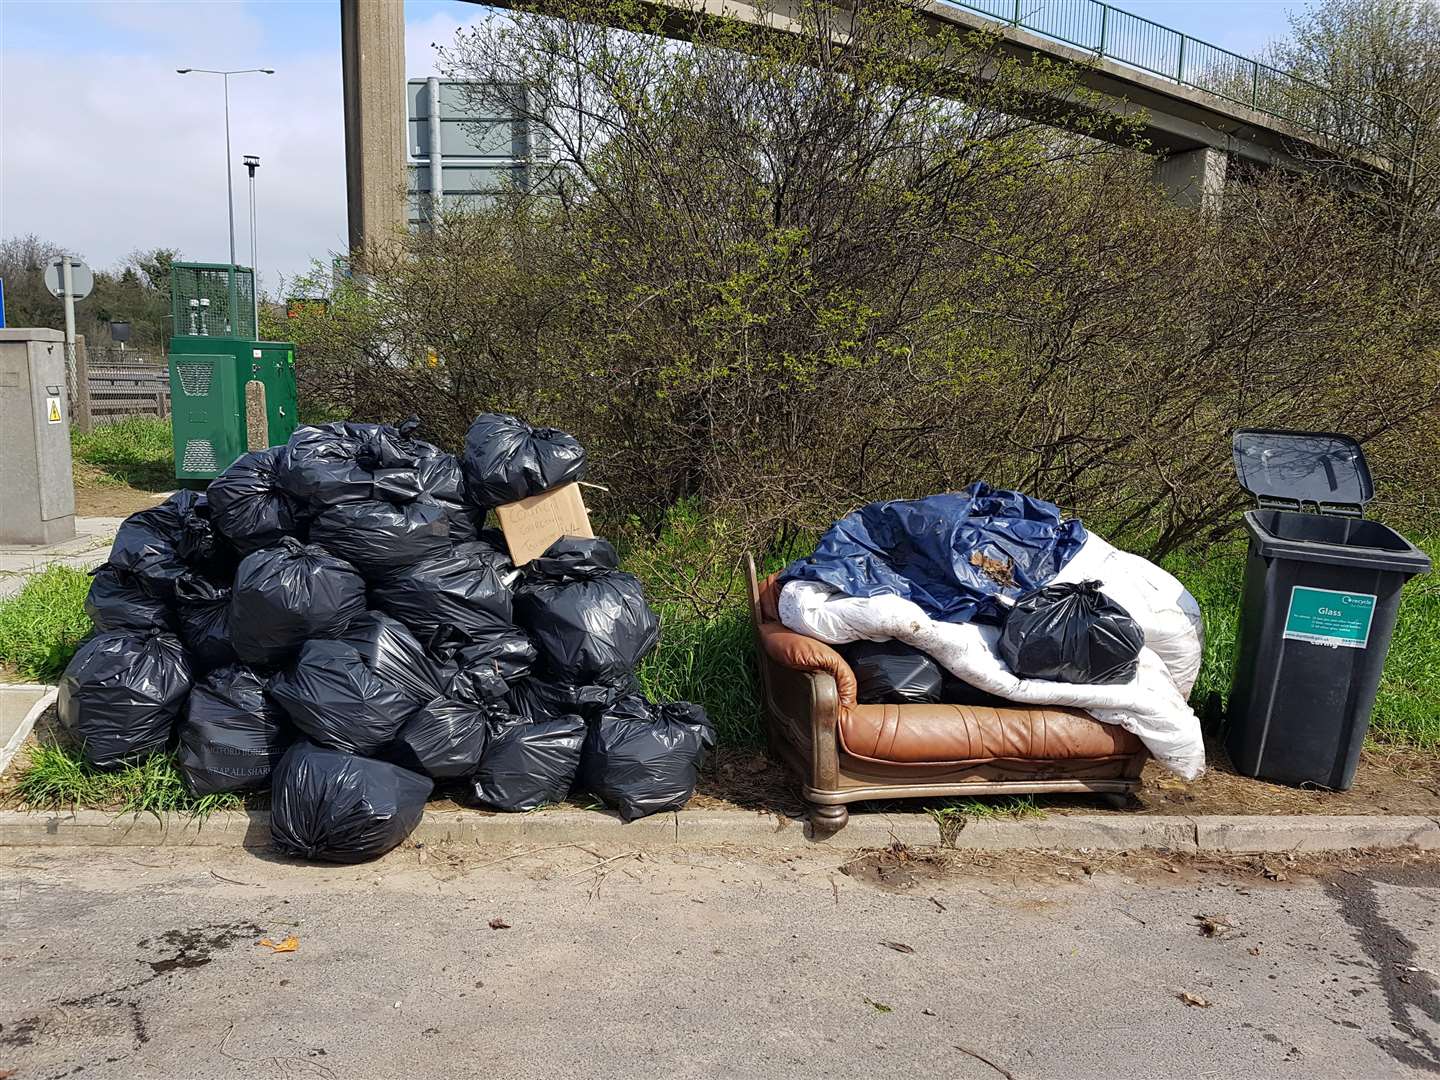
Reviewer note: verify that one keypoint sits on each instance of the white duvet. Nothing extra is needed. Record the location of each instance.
(1152, 705)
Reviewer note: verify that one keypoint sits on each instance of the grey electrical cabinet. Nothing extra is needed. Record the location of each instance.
(37, 487)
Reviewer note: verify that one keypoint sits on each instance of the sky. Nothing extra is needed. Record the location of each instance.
(106, 150)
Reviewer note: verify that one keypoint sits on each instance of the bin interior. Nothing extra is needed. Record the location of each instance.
(1330, 529)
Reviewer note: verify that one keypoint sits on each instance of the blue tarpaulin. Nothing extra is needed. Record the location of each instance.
(948, 553)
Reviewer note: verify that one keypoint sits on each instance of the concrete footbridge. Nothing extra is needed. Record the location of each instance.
(1198, 107)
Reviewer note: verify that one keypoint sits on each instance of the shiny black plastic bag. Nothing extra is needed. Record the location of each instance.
(506, 459)
(321, 467)
(892, 673)
(158, 545)
(287, 594)
(202, 609)
(247, 504)
(122, 693)
(544, 698)
(394, 655)
(444, 740)
(528, 763)
(117, 602)
(491, 546)
(480, 671)
(338, 807)
(589, 621)
(331, 694)
(379, 537)
(231, 735)
(456, 595)
(640, 758)
(1072, 633)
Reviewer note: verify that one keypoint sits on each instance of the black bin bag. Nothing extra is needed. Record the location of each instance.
(247, 504)
(338, 702)
(544, 698)
(231, 735)
(892, 673)
(379, 537)
(640, 758)
(1073, 633)
(338, 807)
(456, 594)
(287, 594)
(117, 602)
(528, 763)
(202, 608)
(444, 740)
(321, 467)
(589, 621)
(394, 654)
(159, 545)
(480, 671)
(506, 460)
(122, 693)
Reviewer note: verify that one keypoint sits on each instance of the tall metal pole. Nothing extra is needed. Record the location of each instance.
(67, 286)
(254, 259)
(230, 198)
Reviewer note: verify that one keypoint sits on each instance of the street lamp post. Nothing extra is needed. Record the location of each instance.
(229, 180)
(251, 164)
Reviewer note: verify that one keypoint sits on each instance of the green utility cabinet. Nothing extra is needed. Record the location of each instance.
(228, 397)
(229, 394)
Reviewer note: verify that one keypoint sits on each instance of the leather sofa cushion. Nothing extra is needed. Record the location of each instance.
(942, 734)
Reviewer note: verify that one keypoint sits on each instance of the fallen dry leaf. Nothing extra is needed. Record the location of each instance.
(1272, 874)
(1214, 925)
(878, 1006)
(290, 944)
(498, 923)
(897, 946)
(1193, 999)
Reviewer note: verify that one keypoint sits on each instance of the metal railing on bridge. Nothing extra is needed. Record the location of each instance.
(1137, 42)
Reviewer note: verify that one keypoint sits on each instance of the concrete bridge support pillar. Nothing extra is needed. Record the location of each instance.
(372, 52)
(1194, 177)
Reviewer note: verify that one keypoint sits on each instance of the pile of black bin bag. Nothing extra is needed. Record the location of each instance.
(332, 619)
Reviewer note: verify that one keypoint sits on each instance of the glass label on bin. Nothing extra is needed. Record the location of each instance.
(1329, 617)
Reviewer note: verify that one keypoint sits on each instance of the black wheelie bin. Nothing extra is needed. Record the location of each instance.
(1321, 592)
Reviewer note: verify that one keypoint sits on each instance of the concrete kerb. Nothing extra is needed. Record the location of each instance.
(710, 828)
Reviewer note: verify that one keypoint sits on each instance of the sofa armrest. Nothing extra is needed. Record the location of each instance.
(796, 652)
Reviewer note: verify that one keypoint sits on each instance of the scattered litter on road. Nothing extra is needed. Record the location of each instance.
(290, 944)
(897, 946)
(498, 923)
(1194, 999)
(878, 1006)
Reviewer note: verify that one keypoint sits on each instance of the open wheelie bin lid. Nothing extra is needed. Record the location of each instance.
(1291, 470)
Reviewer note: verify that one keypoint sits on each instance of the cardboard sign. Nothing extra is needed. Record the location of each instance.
(1330, 617)
(532, 525)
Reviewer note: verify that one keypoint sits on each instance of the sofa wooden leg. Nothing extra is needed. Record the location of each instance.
(828, 819)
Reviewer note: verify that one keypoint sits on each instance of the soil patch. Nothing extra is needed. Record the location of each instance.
(111, 500)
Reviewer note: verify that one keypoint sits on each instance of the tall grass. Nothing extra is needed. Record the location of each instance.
(137, 452)
(56, 778)
(43, 625)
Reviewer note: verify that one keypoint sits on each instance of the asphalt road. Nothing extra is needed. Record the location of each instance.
(144, 963)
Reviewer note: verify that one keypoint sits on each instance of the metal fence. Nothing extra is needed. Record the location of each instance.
(131, 388)
(1138, 42)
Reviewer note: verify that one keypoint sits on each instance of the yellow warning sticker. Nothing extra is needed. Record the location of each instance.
(52, 410)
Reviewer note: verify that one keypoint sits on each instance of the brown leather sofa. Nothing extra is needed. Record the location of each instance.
(844, 752)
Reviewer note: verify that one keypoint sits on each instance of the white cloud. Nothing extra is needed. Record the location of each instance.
(122, 153)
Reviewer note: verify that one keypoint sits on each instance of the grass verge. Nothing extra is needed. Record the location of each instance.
(43, 625)
(136, 452)
(57, 778)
